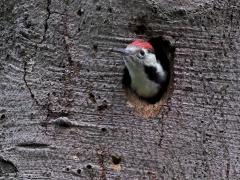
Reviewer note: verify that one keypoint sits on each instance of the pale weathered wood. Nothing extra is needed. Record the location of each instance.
(63, 112)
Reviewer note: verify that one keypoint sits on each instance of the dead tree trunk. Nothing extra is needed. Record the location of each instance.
(64, 114)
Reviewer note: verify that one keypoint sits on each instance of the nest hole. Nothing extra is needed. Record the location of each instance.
(150, 107)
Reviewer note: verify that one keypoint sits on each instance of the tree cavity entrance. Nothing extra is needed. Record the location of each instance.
(164, 52)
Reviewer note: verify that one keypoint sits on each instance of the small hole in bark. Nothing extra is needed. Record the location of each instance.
(116, 160)
(3, 116)
(32, 95)
(103, 129)
(154, 10)
(106, 21)
(98, 8)
(28, 25)
(89, 166)
(67, 169)
(95, 47)
(80, 12)
(92, 97)
(110, 9)
(103, 106)
(79, 171)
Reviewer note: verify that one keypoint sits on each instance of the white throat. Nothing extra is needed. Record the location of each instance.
(140, 81)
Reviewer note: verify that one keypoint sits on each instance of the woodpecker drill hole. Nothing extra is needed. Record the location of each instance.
(79, 171)
(110, 10)
(102, 106)
(92, 97)
(116, 160)
(103, 129)
(67, 169)
(80, 12)
(95, 47)
(99, 7)
(89, 166)
(3, 116)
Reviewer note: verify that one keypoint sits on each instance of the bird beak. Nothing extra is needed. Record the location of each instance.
(122, 51)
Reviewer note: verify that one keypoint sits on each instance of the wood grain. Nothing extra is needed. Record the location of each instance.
(64, 114)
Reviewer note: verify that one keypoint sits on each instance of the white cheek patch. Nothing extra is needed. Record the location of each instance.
(161, 71)
(150, 60)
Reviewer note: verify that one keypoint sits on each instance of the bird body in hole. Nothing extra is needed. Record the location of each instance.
(143, 74)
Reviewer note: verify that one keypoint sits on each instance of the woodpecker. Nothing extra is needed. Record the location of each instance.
(144, 74)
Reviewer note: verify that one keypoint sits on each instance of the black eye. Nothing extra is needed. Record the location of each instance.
(141, 53)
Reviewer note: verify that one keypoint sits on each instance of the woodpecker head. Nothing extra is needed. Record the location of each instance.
(144, 74)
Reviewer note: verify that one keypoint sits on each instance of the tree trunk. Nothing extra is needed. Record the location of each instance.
(65, 115)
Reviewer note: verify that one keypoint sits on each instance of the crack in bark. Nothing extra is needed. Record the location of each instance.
(46, 21)
(27, 85)
(33, 145)
(228, 170)
(161, 135)
(100, 156)
(66, 44)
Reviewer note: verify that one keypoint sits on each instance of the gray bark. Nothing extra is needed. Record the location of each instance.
(64, 114)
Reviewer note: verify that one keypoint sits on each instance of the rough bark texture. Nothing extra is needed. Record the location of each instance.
(63, 112)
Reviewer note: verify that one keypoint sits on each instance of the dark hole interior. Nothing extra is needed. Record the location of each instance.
(116, 160)
(104, 129)
(3, 116)
(79, 171)
(164, 52)
(89, 166)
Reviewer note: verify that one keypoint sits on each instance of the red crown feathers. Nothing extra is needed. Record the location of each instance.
(142, 44)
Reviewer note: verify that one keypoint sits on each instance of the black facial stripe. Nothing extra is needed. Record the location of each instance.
(152, 100)
(153, 75)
